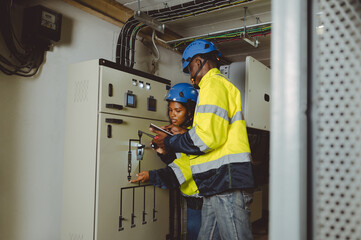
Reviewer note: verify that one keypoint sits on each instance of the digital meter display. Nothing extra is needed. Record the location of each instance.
(48, 20)
(130, 100)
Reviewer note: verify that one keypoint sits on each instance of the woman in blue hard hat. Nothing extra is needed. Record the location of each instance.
(182, 100)
(218, 148)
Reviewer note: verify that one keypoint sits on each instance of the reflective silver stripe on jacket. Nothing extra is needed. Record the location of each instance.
(217, 111)
(231, 158)
(221, 75)
(206, 109)
(198, 141)
(178, 172)
(220, 112)
(236, 117)
(178, 155)
(193, 195)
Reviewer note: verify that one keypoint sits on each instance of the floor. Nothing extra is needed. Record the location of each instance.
(260, 237)
(260, 228)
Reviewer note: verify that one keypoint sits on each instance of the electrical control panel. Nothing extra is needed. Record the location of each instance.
(109, 110)
(129, 93)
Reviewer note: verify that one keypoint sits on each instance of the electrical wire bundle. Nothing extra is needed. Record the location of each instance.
(23, 60)
(126, 41)
(226, 37)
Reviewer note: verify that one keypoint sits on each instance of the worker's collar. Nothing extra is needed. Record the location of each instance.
(208, 75)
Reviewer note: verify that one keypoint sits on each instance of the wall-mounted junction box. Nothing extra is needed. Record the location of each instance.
(41, 25)
(253, 79)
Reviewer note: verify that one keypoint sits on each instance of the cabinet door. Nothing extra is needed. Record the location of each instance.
(124, 210)
(257, 95)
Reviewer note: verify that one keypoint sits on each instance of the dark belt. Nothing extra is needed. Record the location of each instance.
(194, 203)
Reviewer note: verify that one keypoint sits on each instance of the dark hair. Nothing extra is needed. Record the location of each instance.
(190, 107)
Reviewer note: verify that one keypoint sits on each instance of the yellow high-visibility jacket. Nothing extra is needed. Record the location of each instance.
(176, 174)
(217, 143)
(182, 169)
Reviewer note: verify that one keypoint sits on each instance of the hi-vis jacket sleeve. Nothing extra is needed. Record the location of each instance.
(211, 122)
(164, 178)
(182, 143)
(168, 157)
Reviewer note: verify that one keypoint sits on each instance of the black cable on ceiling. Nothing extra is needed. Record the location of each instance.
(193, 8)
(121, 42)
(7, 30)
(128, 39)
(120, 46)
(27, 70)
(164, 15)
(133, 46)
(23, 60)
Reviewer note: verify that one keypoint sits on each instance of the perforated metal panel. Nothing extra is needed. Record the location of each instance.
(81, 91)
(336, 119)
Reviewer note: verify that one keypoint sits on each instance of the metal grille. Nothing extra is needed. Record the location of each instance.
(81, 91)
(336, 120)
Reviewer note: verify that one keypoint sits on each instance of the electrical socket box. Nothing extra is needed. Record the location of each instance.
(253, 79)
(41, 25)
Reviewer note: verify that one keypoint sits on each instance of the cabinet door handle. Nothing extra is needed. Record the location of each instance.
(266, 97)
(109, 131)
(114, 120)
(110, 90)
(115, 106)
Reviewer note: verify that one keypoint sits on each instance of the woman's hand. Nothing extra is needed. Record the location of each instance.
(141, 177)
(176, 129)
(161, 151)
(158, 141)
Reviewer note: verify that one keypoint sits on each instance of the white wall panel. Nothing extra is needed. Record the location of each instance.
(32, 124)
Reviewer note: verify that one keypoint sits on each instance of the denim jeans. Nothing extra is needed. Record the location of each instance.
(193, 223)
(226, 216)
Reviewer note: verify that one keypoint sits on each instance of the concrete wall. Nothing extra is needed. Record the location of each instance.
(32, 123)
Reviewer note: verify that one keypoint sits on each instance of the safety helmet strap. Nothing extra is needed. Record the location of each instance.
(193, 78)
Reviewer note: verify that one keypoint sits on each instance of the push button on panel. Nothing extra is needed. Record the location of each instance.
(152, 104)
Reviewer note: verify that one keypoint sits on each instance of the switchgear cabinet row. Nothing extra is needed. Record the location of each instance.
(108, 110)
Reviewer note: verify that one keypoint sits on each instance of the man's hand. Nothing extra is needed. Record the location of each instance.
(159, 139)
(141, 177)
(176, 129)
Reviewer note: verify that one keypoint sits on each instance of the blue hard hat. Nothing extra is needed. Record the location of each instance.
(196, 47)
(182, 92)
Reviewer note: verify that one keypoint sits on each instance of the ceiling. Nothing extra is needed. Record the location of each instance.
(258, 11)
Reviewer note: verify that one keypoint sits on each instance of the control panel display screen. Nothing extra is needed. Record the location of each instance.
(130, 100)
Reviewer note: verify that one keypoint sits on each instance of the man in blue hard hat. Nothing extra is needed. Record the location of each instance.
(218, 146)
